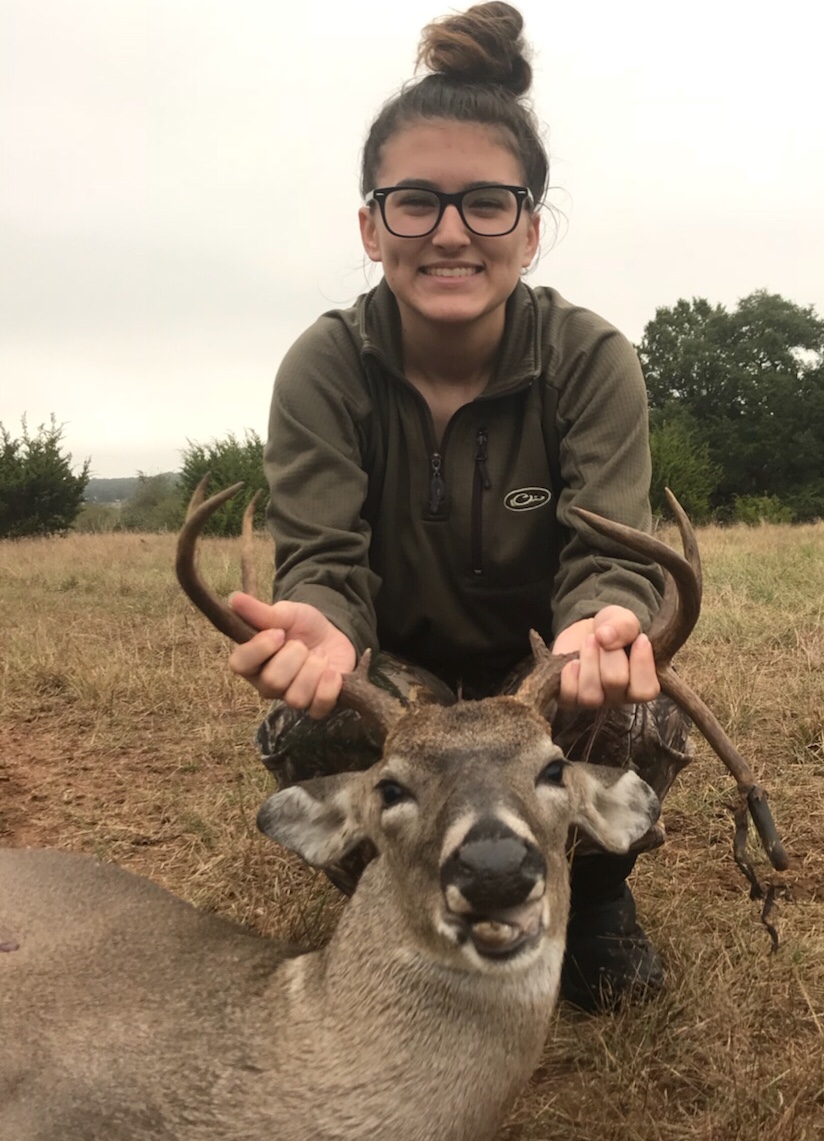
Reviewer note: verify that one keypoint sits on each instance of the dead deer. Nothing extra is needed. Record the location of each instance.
(127, 1014)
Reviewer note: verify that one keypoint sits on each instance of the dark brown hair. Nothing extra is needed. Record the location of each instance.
(479, 74)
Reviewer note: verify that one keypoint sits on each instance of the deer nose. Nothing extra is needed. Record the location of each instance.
(493, 867)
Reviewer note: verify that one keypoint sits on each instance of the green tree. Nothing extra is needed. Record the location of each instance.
(751, 383)
(229, 460)
(681, 461)
(156, 505)
(39, 492)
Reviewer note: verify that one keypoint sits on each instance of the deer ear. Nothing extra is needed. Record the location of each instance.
(615, 812)
(316, 819)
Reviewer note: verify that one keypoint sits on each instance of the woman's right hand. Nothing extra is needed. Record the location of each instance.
(299, 655)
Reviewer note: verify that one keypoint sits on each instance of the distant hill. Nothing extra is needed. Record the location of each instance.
(116, 490)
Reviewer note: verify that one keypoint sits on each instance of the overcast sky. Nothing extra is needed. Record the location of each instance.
(178, 197)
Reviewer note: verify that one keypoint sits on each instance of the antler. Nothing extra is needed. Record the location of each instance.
(378, 708)
(671, 626)
(669, 630)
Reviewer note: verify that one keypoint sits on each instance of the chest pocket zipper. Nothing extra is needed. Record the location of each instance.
(437, 488)
(481, 483)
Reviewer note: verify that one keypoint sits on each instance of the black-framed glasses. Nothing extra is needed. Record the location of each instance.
(415, 211)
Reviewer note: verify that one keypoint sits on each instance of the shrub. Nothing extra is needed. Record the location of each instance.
(39, 492)
(755, 509)
(681, 462)
(229, 460)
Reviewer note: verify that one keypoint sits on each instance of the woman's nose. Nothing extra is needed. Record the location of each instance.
(451, 229)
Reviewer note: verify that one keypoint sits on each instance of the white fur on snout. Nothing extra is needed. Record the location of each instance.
(537, 891)
(456, 833)
(456, 901)
(517, 824)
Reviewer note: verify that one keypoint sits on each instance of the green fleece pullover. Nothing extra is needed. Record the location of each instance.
(447, 553)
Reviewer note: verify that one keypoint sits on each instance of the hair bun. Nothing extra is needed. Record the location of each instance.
(482, 45)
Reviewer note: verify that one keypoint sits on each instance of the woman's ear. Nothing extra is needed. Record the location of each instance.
(533, 239)
(369, 233)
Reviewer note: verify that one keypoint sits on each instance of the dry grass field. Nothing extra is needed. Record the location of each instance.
(123, 734)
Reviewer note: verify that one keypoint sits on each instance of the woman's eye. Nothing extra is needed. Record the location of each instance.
(417, 202)
(392, 793)
(553, 773)
(486, 205)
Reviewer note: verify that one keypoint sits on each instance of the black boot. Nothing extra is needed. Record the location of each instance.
(609, 960)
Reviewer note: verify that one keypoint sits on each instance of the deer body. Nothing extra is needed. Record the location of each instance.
(249, 1045)
(127, 1014)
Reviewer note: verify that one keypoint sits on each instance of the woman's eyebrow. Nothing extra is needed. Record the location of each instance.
(426, 184)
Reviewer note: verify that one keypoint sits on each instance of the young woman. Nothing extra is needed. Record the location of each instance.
(425, 448)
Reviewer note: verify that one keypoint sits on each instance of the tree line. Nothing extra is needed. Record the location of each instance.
(736, 408)
(41, 495)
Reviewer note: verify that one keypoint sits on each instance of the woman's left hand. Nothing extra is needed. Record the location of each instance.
(615, 667)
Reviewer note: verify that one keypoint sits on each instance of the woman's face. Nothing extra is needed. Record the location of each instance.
(452, 275)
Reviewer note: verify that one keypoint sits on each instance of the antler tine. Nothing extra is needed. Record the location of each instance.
(218, 613)
(199, 493)
(677, 616)
(665, 620)
(248, 574)
(376, 707)
(542, 684)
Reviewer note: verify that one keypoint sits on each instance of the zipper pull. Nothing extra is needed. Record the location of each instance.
(437, 488)
(481, 457)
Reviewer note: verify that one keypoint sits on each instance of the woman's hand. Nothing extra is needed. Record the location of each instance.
(605, 674)
(298, 655)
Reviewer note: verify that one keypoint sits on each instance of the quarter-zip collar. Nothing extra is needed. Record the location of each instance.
(519, 359)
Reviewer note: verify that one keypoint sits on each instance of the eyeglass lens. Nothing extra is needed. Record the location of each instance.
(412, 212)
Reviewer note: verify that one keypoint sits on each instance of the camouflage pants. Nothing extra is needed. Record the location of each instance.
(650, 739)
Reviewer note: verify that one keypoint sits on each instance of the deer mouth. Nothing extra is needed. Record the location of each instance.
(500, 935)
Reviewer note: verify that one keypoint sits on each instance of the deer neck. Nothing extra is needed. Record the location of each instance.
(376, 1019)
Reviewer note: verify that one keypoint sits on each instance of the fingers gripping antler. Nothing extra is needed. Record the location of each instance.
(378, 708)
(671, 626)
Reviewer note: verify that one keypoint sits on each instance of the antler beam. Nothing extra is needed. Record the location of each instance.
(377, 707)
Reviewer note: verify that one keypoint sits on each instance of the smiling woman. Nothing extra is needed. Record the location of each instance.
(426, 449)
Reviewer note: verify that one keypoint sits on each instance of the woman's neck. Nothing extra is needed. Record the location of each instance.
(458, 357)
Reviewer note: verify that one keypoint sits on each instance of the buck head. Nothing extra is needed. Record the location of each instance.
(469, 809)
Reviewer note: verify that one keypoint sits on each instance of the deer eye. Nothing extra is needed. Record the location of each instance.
(553, 773)
(392, 793)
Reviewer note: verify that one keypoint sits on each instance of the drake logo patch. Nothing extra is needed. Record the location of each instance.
(527, 498)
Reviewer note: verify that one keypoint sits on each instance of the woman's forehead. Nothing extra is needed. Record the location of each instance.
(435, 150)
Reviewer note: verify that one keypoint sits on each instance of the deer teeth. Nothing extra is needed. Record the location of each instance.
(493, 933)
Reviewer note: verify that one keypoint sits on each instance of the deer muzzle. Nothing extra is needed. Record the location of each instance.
(494, 884)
